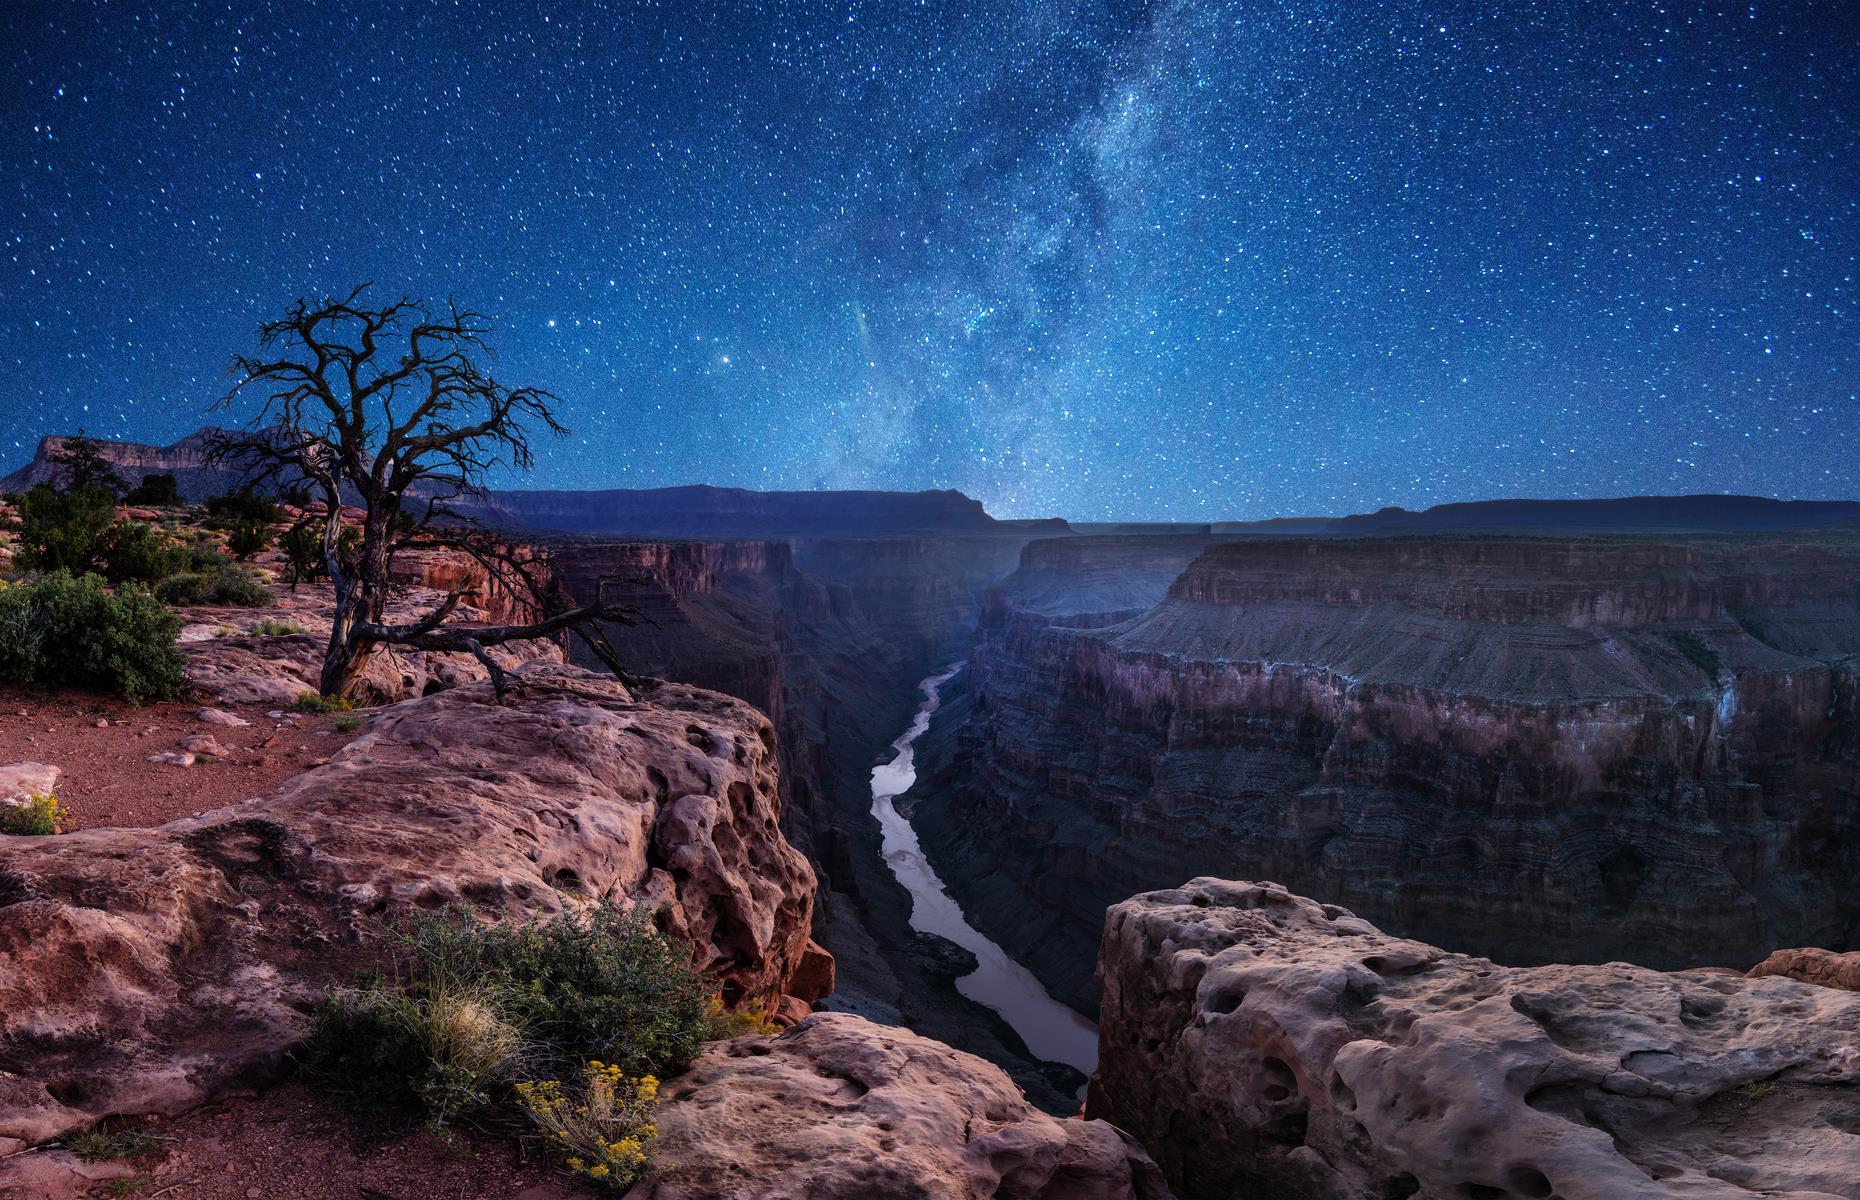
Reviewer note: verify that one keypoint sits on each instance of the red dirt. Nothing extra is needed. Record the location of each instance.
(307, 1145)
(108, 779)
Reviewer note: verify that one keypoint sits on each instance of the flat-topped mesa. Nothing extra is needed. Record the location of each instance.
(1538, 749)
(1572, 583)
(703, 511)
(1094, 580)
(1260, 1044)
(149, 970)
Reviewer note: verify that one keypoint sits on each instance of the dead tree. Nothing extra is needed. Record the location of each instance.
(390, 409)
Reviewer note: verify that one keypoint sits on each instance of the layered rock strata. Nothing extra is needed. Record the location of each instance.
(147, 970)
(1538, 749)
(1261, 1044)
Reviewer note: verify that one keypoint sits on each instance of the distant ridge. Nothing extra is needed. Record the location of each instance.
(696, 511)
(702, 511)
(1663, 514)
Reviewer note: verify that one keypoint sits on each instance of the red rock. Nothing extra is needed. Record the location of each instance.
(134, 983)
(838, 1108)
(1823, 968)
(1261, 1045)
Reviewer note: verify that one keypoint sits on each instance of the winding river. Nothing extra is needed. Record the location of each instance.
(1051, 1030)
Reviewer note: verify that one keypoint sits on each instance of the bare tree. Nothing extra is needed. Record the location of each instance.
(405, 433)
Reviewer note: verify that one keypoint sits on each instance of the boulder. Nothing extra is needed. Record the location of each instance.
(148, 970)
(838, 1108)
(1810, 965)
(220, 717)
(21, 781)
(1260, 1044)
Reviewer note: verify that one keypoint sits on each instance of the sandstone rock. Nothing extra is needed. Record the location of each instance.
(21, 781)
(219, 716)
(55, 1175)
(1262, 1045)
(135, 982)
(203, 745)
(813, 979)
(173, 758)
(1809, 965)
(838, 1108)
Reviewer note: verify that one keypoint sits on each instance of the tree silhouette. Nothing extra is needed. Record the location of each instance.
(404, 434)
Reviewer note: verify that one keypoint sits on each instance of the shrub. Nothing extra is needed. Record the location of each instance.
(302, 545)
(312, 703)
(601, 985)
(74, 631)
(437, 1049)
(348, 724)
(155, 491)
(470, 1004)
(235, 508)
(248, 537)
(137, 553)
(721, 1023)
(64, 531)
(270, 628)
(604, 1130)
(205, 556)
(39, 816)
(85, 467)
(225, 586)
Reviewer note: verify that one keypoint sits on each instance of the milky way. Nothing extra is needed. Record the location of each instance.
(1176, 260)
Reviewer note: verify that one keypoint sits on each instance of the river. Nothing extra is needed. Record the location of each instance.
(1051, 1030)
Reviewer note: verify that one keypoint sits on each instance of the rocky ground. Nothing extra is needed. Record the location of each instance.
(102, 748)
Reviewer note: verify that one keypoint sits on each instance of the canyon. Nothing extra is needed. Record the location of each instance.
(926, 787)
(1570, 749)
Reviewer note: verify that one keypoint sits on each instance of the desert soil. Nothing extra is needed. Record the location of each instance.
(294, 1143)
(108, 778)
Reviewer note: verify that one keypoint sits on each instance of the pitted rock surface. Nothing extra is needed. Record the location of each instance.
(1262, 1045)
(147, 970)
(839, 1108)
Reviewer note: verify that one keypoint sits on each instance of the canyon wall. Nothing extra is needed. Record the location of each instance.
(1260, 1044)
(829, 636)
(1536, 749)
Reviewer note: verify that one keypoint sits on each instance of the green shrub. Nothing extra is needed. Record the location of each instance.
(302, 545)
(66, 630)
(240, 507)
(138, 553)
(601, 986)
(155, 491)
(105, 1145)
(39, 816)
(312, 703)
(64, 531)
(226, 586)
(438, 1049)
(205, 556)
(348, 724)
(248, 537)
(270, 628)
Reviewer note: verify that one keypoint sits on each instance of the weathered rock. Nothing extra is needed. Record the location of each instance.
(203, 745)
(1262, 1045)
(55, 1175)
(1809, 965)
(21, 781)
(1538, 748)
(219, 716)
(173, 758)
(150, 969)
(838, 1108)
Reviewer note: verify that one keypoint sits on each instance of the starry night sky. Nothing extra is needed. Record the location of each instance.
(1115, 259)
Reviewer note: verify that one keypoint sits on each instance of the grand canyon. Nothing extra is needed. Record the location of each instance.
(891, 600)
(1622, 761)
